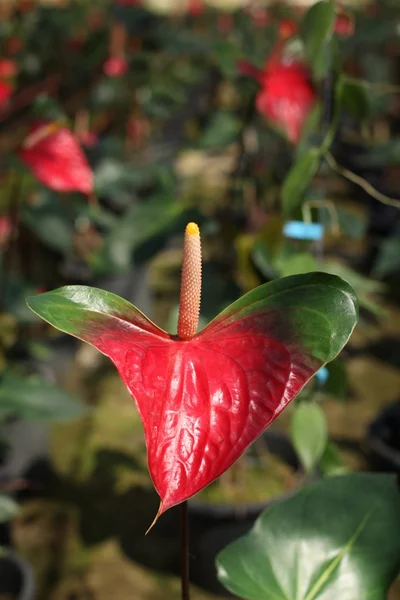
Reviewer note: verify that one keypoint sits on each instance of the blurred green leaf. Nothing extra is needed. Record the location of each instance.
(388, 259)
(336, 538)
(299, 178)
(337, 382)
(309, 433)
(316, 33)
(140, 222)
(354, 98)
(32, 398)
(221, 131)
(51, 221)
(331, 462)
(303, 262)
(8, 508)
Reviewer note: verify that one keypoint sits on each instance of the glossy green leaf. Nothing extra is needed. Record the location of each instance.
(309, 433)
(316, 33)
(8, 508)
(338, 538)
(299, 178)
(331, 462)
(33, 398)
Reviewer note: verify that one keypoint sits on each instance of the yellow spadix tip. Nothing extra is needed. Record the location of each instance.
(192, 229)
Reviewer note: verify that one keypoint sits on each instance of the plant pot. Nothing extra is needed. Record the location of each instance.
(383, 439)
(214, 526)
(16, 577)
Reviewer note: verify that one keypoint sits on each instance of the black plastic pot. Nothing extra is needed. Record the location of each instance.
(212, 527)
(383, 439)
(16, 577)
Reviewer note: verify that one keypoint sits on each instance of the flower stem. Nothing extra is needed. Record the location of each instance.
(185, 552)
(189, 305)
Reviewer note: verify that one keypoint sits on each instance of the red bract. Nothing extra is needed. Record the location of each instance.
(286, 97)
(8, 68)
(344, 25)
(6, 89)
(53, 154)
(115, 66)
(287, 29)
(204, 398)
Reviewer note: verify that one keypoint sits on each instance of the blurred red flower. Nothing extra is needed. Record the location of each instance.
(115, 66)
(344, 25)
(286, 95)
(6, 89)
(54, 155)
(8, 68)
(287, 29)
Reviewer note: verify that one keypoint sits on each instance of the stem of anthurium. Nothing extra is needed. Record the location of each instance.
(185, 584)
(189, 304)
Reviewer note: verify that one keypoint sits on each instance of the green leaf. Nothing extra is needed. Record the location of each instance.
(221, 131)
(388, 259)
(299, 178)
(303, 262)
(316, 33)
(8, 508)
(336, 538)
(331, 462)
(353, 97)
(141, 222)
(33, 398)
(309, 433)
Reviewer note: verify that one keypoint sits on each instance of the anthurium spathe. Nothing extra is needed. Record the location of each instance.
(54, 155)
(205, 397)
(286, 94)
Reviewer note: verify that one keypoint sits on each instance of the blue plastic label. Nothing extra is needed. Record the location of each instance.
(298, 230)
(322, 375)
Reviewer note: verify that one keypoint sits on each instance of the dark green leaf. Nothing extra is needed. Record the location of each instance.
(316, 33)
(33, 398)
(337, 538)
(299, 178)
(309, 433)
(222, 130)
(354, 98)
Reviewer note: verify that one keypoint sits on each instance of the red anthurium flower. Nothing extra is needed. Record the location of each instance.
(6, 90)
(204, 398)
(54, 155)
(286, 97)
(195, 7)
(287, 29)
(344, 25)
(115, 66)
(8, 68)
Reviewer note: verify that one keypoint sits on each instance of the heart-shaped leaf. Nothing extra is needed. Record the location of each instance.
(204, 400)
(309, 432)
(53, 153)
(337, 538)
